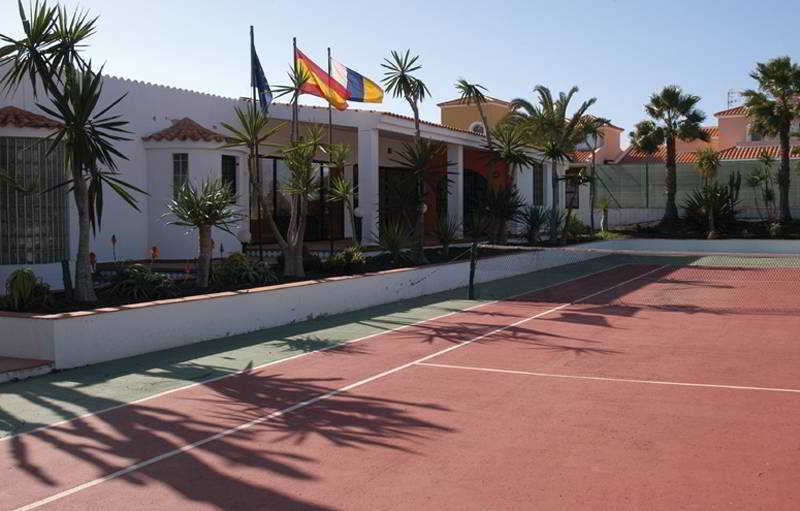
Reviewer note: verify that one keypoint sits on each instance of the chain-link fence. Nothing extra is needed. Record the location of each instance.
(642, 186)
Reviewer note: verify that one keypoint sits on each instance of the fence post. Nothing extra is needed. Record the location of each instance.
(473, 259)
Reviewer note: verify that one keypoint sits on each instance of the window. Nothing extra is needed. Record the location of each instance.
(33, 226)
(180, 171)
(229, 171)
(477, 128)
(754, 137)
(538, 184)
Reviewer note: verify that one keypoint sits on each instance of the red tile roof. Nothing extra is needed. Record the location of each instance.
(19, 118)
(581, 156)
(459, 101)
(753, 152)
(740, 110)
(186, 129)
(712, 131)
(729, 154)
(636, 156)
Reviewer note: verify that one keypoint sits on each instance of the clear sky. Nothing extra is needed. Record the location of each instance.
(619, 51)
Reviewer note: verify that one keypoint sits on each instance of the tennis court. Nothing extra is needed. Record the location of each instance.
(655, 382)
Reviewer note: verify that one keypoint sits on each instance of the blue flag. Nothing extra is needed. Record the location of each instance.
(259, 81)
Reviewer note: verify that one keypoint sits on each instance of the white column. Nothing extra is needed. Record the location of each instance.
(455, 185)
(368, 181)
(524, 181)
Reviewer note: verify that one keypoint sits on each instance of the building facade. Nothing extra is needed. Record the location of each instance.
(177, 135)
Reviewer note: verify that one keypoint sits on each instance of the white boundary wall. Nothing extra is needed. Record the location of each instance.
(78, 339)
(733, 246)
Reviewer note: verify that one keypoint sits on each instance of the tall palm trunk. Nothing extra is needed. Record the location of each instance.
(554, 204)
(419, 225)
(84, 287)
(204, 264)
(784, 177)
(670, 184)
(592, 188)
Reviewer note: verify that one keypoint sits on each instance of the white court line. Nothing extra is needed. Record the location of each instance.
(327, 348)
(603, 378)
(302, 404)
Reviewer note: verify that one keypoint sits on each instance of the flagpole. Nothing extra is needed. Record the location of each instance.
(293, 133)
(256, 161)
(330, 143)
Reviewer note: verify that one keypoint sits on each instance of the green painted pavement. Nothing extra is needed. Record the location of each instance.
(45, 400)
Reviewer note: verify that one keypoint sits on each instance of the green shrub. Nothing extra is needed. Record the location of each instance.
(574, 227)
(25, 291)
(534, 218)
(349, 260)
(722, 200)
(776, 230)
(554, 229)
(139, 282)
(446, 232)
(395, 238)
(501, 205)
(238, 269)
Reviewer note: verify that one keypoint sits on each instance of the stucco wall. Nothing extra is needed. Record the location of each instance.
(84, 338)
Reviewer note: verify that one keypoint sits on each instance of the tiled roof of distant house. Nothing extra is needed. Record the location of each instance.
(712, 131)
(186, 129)
(736, 111)
(460, 101)
(753, 152)
(581, 156)
(19, 118)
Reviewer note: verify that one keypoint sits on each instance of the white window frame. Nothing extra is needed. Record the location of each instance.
(475, 125)
(180, 171)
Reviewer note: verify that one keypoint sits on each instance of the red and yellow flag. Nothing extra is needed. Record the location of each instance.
(320, 84)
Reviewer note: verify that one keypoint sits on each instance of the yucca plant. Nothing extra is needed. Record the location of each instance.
(24, 290)
(238, 269)
(446, 231)
(420, 158)
(555, 220)
(141, 283)
(501, 205)
(395, 239)
(49, 56)
(533, 218)
(212, 204)
(713, 200)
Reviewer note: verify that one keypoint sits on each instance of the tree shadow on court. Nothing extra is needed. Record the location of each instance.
(267, 451)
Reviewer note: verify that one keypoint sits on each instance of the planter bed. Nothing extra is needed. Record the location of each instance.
(78, 338)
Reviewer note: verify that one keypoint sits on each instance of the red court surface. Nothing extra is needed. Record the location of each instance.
(643, 387)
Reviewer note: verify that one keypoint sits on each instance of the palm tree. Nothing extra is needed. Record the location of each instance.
(676, 117)
(771, 109)
(646, 138)
(510, 146)
(211, 205)
(298, 77)
(593, 130)
(401, 83)
(49, 56)
(473, 93)
(708, 163)
(553, 130)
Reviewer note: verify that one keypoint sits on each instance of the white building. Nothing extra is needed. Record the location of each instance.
(177, 134)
